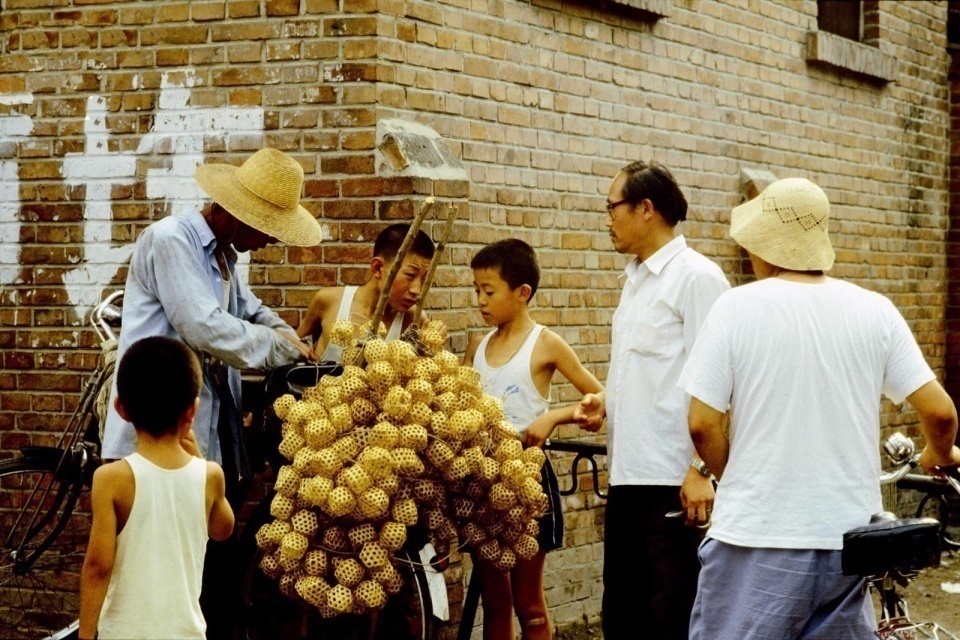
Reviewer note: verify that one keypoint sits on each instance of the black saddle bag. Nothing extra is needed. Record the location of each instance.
(889, 545)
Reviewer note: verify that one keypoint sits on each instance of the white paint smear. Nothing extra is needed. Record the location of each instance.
(12, 128)
(178, 135)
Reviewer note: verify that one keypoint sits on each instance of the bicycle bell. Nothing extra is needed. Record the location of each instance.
(899, 448)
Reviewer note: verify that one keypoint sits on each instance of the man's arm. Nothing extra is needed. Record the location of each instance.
(101, 551)
(707, 433)
(591, 411)
(194, 312)
(221, 520)
(938, 421)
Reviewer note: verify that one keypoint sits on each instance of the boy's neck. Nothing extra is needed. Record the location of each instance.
(518, 325)
(370, 293)
(164, 451)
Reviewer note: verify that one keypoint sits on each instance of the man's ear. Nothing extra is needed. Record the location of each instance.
(648, 209)
(120, 410)
(525, 291)
(378, 267)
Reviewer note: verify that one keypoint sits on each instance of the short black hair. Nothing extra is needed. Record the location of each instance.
(158, 379)
(514, 259)
(388, 242)
(654, 182)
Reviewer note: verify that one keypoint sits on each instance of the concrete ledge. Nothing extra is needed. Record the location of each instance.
(754, 181)
(656, 8)
(411, 149)
(835, 51)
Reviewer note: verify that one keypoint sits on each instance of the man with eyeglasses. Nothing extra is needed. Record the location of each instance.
(650, 561)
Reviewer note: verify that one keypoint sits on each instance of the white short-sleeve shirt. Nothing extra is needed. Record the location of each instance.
(802, 368)
(665, 300)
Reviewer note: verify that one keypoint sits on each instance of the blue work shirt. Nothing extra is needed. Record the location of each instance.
(174, 288)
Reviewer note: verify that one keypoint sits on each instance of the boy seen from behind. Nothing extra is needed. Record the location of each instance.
(516, 364)
(358, 304)
(153, 510)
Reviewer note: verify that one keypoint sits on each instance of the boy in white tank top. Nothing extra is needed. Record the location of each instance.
(516, 363)
(358, 303)
(154, 510)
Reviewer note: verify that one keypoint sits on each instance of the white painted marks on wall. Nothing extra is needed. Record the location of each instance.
(13, 128)
(179, 136)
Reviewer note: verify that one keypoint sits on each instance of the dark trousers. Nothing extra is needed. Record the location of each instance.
(221, 593)
(650, 565)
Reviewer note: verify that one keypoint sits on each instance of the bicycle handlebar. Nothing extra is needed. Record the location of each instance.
(887, 477)
(104, 314)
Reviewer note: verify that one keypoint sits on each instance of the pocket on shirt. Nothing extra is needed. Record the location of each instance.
(651, 340)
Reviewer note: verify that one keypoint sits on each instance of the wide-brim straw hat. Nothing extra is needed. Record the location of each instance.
(264, 193)
(786, 226)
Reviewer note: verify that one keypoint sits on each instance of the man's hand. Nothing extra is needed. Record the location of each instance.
(696, 496)
(189, 444)
(306, 352)
(591, 411)
(538, 431)
(933, 463)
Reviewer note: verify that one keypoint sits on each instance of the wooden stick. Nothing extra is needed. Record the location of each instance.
(452, 212)
(395, 267)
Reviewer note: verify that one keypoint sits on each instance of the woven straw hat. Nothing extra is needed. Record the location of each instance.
(786, 225)
(264, 193)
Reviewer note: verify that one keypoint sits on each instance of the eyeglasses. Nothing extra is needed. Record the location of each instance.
(613, 205)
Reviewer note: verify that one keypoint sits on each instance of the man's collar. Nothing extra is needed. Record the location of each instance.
(209, 241)
(661, 257)
(196, 220)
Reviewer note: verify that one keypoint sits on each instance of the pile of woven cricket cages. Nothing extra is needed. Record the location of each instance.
(404, 437)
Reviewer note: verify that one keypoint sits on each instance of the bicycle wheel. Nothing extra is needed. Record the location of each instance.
(39, 592)
(267, 614)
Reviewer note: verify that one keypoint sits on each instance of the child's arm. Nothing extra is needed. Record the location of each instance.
(472, 345)
(101, 550)
(220, 521)
(563, 359)
(312, 324)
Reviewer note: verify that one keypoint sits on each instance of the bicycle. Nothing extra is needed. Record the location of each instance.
(43, 533)
(891, 551)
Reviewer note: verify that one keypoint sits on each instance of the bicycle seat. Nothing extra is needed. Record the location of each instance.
(889, 544)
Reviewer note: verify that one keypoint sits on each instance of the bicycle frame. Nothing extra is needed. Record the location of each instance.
(77, 457)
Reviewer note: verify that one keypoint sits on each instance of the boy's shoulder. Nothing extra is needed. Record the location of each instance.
(327, 296)
(113, 474)
(549, 344)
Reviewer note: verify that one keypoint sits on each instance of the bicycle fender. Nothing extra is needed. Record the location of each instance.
(48, 456)
(436, 584)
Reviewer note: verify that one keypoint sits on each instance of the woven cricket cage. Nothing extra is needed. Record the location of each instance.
(403, 437)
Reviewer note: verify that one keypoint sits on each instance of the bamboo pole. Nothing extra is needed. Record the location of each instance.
(397, 262)
(452, 212)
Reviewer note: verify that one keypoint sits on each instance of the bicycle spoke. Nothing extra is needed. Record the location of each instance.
(39, 593)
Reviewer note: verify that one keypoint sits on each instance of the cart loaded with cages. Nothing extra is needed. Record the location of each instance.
(392, 459)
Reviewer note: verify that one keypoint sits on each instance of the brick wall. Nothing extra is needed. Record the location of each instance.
(106, 107)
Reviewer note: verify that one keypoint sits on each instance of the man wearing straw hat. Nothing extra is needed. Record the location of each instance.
(800, 361)
(182, 284)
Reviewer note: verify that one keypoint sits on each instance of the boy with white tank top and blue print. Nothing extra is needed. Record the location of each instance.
(154, 510)
(358, 304)
(516, 364)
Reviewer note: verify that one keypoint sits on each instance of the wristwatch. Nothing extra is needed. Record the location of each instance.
(701, 467)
